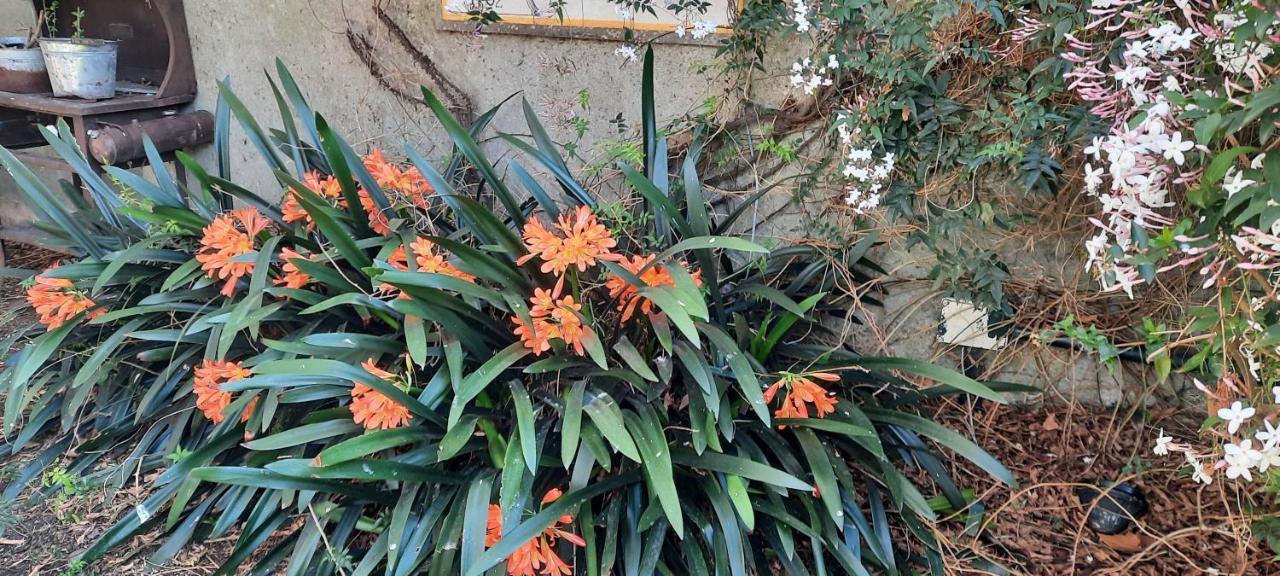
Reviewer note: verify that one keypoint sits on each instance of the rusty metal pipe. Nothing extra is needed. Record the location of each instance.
(119, 143)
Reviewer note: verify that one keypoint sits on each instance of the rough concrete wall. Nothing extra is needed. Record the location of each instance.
(241, 38)
(15, 17)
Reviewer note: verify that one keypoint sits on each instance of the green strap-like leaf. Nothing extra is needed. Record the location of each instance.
(940, 374)
(738, 466)
(946, 437)
(473, 384)
(656, 457)
(607, 417)
(304, 434)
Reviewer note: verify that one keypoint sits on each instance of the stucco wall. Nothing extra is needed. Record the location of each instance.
(241, 38)
(318, 40)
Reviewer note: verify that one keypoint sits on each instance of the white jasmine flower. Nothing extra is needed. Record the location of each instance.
(1235, 182)
(627, 53)
(622, 12)
(1162, 444)
(1171, 84)
(1270, 436)
(1235, 416)
(703, 28)
(1132, 74)
(800, 14)
(1237, 59)
(832, 62)
(1269, 458)
(1135, 50)
(1197, 470)
(1256, 163)
(860, 154)
(1181, 40)
(1275, 391)
(1175, 146)
(1095, 149)
(1160, 109)
(1240, 458)
(1255, 367)
(1092, 178)
(680, 31)
(1228, 21)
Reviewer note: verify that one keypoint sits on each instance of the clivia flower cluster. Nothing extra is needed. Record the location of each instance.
(226, 244)
(402, 186)
(226, 253)
(211, 399)
(57, 300)
(373, 409)
(537, 556)
(800, 391)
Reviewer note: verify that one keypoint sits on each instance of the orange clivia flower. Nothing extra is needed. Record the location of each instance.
(378, 219)
(408, 182)
(582, 240)
(398, 259)
(57, 301)
(551, 318)
(538, 556)
(324, 186)
(434, 262)
(427, 259)
(210, 397)
(374, 409)
(292, 277)
(229, 236)
(801, 391)
(628, 296)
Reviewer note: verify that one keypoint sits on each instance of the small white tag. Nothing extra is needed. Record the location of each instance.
(142, 512)
(964, 323)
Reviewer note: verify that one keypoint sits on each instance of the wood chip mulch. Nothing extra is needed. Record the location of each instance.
(1040, 527)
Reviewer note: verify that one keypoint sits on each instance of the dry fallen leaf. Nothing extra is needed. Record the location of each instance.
(1127, 542)
(1050, 423)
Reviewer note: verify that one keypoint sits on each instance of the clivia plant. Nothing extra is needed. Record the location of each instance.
(403, 368)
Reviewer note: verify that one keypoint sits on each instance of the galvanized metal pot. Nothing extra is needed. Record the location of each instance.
(80, 67)
(22, 70)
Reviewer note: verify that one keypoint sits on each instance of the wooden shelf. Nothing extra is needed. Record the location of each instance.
(47, 104)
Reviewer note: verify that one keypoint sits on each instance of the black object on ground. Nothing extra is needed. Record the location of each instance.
(1114, 513)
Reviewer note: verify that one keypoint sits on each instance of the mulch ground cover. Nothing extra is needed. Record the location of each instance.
(1041, 528)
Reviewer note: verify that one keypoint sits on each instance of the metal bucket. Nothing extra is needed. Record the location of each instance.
(80, 67)
(21, 69)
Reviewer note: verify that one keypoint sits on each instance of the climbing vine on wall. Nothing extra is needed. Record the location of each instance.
(965, 105)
